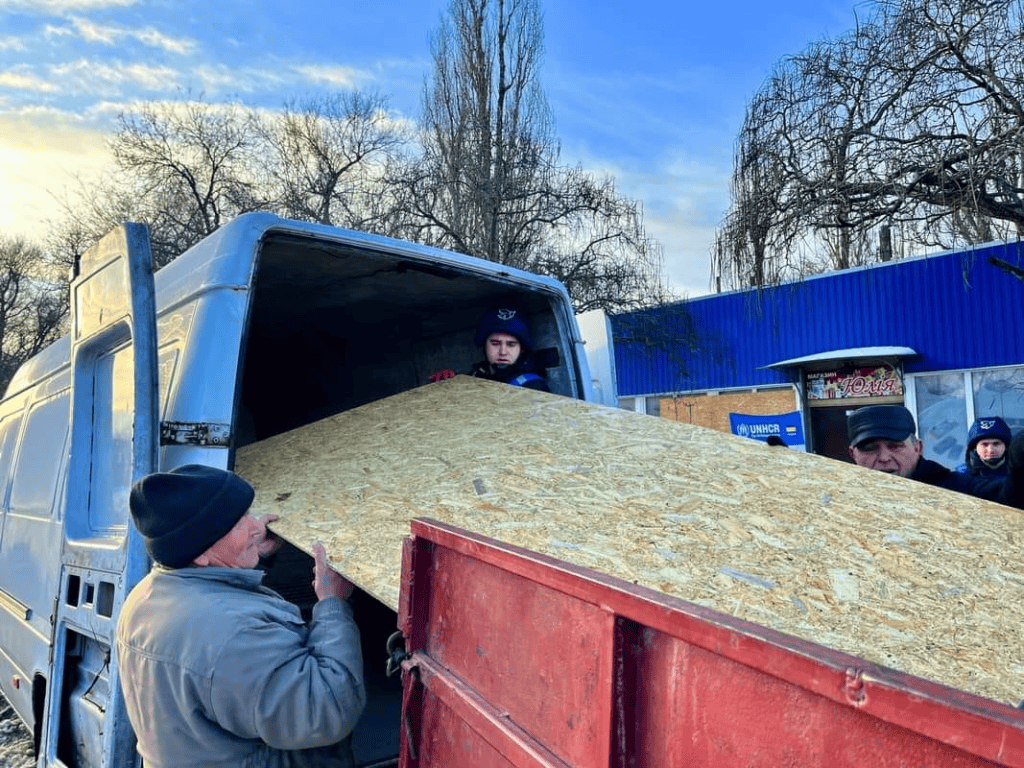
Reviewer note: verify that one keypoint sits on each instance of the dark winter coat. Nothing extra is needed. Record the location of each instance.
(933, 473)
(522, 373)
(975, 466)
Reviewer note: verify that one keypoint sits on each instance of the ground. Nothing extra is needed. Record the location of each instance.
(15, 740)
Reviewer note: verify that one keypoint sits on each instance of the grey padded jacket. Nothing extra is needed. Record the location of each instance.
(218, 670)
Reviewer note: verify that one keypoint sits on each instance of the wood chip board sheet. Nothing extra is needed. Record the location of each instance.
(923, 580)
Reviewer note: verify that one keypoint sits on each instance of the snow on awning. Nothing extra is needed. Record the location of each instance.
(854, 353)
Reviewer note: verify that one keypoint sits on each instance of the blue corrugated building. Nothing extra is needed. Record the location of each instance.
(942, 334)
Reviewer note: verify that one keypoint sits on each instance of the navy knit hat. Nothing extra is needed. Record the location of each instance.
(182, 513)
(505, 320)
(988, 428)
(891, 422)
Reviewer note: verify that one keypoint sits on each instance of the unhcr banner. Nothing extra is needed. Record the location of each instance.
(786, 426)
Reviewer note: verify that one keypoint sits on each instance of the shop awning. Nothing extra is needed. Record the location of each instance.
(854, 353)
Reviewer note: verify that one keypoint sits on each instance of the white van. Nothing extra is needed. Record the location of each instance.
(262, 327)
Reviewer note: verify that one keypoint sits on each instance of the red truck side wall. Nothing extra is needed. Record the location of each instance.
(521, 660)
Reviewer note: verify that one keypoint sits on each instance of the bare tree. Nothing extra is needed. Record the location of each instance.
(90, 211)
(955, 165)
(331, 157)
(33, 304)
(191, 166)
(912, 124)
(741, 252)
(489, 182)
(486, 182)
(185, 168)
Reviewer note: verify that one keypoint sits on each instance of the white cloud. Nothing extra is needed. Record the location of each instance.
(218, 78)
(156, 39)
(96, 33)
(114, 34)
(102, 112)
(683, 200)
(92, 32)
(22, 80)
(99, 79)
(62, 7)
(111, 34)
(86, 76)
(686, 250)
(53, 31)
(149, 76)
(11, 44)
(332, 75)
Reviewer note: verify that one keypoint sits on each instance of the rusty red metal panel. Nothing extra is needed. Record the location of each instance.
(535, 653)
(528, 661)
(460, 729)
(698, 709)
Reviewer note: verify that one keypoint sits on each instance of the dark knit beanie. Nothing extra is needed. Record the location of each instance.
(505, 320)
(182, 513)
(988, 428)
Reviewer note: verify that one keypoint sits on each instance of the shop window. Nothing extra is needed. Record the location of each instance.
(1000, 393)
(942, 416)
(945, 411)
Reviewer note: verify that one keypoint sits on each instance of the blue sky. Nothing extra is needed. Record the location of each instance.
(650, 91)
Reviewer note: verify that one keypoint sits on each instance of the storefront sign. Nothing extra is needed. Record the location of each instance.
(869, 381)
(786, 426)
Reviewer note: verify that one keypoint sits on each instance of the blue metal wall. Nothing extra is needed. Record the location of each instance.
(957, 310)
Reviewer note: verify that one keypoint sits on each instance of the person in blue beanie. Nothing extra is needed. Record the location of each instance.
(216, 669)
(987, 444)
(507, 341)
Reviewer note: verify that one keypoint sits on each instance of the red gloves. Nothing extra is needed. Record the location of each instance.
(445, 373)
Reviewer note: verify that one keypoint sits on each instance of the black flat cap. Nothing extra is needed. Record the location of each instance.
(891, 422)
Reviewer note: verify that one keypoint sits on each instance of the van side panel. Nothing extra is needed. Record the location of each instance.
(16, 635)
(32, 536)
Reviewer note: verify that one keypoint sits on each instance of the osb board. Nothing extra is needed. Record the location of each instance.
(909, 576)
(713, 410)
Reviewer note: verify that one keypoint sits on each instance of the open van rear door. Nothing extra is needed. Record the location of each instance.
(114, 440)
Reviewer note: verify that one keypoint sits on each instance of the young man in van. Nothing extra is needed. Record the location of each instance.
(504, 334)
(216, 669)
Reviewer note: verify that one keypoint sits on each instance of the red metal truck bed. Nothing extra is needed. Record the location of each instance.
(519, 659)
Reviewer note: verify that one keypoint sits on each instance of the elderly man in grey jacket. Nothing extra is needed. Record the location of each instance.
(218, 670)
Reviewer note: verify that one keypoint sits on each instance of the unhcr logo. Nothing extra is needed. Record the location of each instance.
(757, 430)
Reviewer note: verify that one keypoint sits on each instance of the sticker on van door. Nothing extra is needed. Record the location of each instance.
(194, 433)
